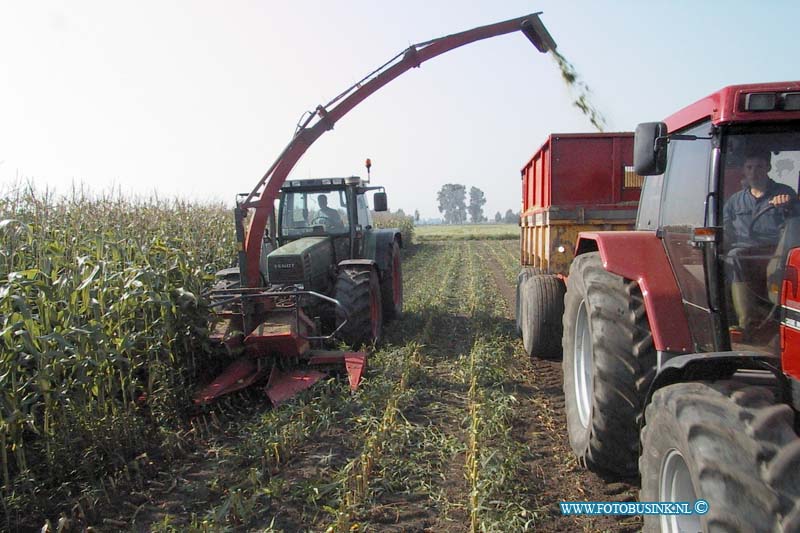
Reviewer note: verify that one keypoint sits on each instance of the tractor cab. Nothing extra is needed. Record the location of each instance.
(331, 206)
(321, 222)
(721, 192)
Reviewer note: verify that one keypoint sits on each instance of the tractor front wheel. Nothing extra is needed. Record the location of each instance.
(726, 443)
(359, 292)
(609, 363)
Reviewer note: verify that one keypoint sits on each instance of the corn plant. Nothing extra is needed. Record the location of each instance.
(101, 324)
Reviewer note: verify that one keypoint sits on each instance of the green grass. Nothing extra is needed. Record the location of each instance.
(447, 232)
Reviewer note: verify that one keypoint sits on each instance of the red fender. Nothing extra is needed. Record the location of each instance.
(640, 256)
(790, 316)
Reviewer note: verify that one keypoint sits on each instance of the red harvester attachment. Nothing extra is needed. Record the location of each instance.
(281, 339)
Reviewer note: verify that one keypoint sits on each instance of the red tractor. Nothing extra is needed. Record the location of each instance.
(681, 339)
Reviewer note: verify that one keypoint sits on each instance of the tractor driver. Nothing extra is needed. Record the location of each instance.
(332, 219)
(752, 219)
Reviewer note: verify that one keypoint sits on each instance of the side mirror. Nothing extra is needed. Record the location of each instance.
(379, 199)
(650, 148)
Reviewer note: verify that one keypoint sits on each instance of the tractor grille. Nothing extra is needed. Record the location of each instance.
(286, 270)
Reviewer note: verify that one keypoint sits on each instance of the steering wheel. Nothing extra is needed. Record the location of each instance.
(785, 210)
(320, 219)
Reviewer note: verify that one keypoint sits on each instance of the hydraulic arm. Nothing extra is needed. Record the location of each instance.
(255, 210)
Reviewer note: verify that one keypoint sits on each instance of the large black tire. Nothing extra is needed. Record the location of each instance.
(359, 292)
(542, 311)
(226, 279)
(620, 362)
(741, 452)
(392, 284)
(522, 277)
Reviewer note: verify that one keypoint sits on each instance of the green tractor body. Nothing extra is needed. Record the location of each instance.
(328, 277)
(306, 261)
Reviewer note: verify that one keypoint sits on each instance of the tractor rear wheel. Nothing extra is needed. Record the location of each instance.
(542, 311)
(728, 444)
(609, 363)
(359, 292)
(392, 285)
(522, 277)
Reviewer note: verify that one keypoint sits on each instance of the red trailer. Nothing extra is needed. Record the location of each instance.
(576, 182)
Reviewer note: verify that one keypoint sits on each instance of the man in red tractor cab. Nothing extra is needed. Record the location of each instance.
(754, 218)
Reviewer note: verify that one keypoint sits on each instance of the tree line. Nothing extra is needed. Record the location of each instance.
(453, 206)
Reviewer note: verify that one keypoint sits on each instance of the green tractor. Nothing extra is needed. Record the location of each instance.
(327, 275)
(327, 243)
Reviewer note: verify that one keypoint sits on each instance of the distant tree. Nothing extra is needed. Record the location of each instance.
(416, 215)
(476, 202)
(451, 202)
(511, 217)
(400, 213)
(498, 217)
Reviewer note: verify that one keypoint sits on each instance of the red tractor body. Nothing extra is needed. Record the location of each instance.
(681, 339)
(790, 316)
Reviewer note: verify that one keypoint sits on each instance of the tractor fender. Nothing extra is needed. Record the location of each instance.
(640, 256)
(363, 263)
(378, 243)
(713, 366)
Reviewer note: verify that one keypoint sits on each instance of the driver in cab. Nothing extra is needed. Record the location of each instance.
(753, 218)
(332, 219)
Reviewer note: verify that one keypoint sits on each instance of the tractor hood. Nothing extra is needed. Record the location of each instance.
(305, 261)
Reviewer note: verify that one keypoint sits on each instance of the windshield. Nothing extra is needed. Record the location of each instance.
(760, 178)
(307, 212)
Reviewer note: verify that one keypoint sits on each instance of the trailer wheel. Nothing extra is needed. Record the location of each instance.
(359, 292)
(392, 285)
(542, 311)
(522, 277)
(609, 363)
(729, 444)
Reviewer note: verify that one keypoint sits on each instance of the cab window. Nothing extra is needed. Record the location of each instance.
(306, 212)
(686, 183)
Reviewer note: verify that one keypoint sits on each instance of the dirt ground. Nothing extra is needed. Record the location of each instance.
(557, 475)
(397, 455)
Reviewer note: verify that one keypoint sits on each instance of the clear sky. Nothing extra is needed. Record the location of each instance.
(196, 98)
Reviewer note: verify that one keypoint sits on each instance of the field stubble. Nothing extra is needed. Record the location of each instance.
(453, 428)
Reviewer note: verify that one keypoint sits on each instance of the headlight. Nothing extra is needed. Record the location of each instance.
(760, 101)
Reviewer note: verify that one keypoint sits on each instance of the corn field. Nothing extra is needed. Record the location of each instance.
(101, 328)
(103, 344)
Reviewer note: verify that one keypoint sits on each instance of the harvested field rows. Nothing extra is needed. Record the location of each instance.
(453, 429)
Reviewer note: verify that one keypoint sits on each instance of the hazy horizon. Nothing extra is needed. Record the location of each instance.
(197, 99)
